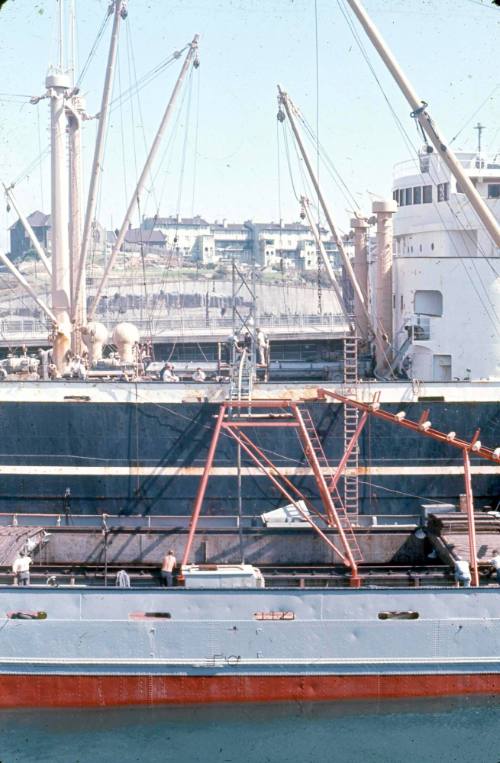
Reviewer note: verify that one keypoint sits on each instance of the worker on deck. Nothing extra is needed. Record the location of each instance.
(462, 573)
(167, 569)
(245, 340)
(262, 347)
(199, 375)
(122, 579)
(495, 563)
(167, 373)
(21, 568)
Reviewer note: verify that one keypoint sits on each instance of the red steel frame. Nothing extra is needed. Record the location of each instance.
(422, 426)
(232, 427)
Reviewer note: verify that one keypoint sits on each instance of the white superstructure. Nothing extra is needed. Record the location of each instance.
(446, 274)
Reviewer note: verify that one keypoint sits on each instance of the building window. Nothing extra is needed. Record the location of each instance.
(494, 191)
(408, 196)
(427, 194)
(443, 191)
(417, 195)
(428, 303)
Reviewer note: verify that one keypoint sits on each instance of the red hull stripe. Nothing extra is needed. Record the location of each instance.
(103, 691)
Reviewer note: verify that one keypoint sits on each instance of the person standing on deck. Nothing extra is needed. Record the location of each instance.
(167, 569)
(462, 573)
(262, 347)
(21, 568)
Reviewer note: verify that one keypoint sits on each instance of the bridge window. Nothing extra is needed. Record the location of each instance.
(427, 194)
(494, 191)
(428, 303)
(417, 195)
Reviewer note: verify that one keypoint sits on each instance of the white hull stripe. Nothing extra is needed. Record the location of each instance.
(231, 471)
(196, 662)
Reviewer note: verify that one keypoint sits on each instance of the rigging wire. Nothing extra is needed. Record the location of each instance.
(39, 131)
(163, 165)
(146, 79)
(316, 43)
(365, 56)
(414, 151)
(289, 164)
(476, 112)
(32, 166)
(94, 48)
(122, 136)
(196, 138)
(185, 143)
(278, 173)
(333, 172)
(132, 111)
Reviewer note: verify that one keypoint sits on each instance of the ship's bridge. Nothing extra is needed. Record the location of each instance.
(434, 217)
(446, 292)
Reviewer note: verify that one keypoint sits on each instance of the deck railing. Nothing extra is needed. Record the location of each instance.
(31, 328)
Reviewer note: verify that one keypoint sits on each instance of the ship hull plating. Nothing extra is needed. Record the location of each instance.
(112, 647)
(142, 452)
(112, 690)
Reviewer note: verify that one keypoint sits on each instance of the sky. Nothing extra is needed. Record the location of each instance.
(225, 156)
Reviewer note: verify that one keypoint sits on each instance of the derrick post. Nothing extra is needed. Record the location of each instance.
(469, 499)
(203, 484)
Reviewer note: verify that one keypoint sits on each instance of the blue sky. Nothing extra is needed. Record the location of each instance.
(222, 154)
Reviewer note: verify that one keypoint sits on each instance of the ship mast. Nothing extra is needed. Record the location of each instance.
(290, 108)
(78, 304)
(58, 84)
(423, 117)
(191, 58)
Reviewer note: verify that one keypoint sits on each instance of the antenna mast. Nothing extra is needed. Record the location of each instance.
(479, 127)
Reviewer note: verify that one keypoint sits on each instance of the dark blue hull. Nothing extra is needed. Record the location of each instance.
(147, 458)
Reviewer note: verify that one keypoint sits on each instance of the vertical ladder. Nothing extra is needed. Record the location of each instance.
(351, 420)
(241, 383)
(344, 518)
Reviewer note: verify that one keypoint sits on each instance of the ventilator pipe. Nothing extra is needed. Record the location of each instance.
(125, 337)
(94, 336)
(360, 226)
(384, 211)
